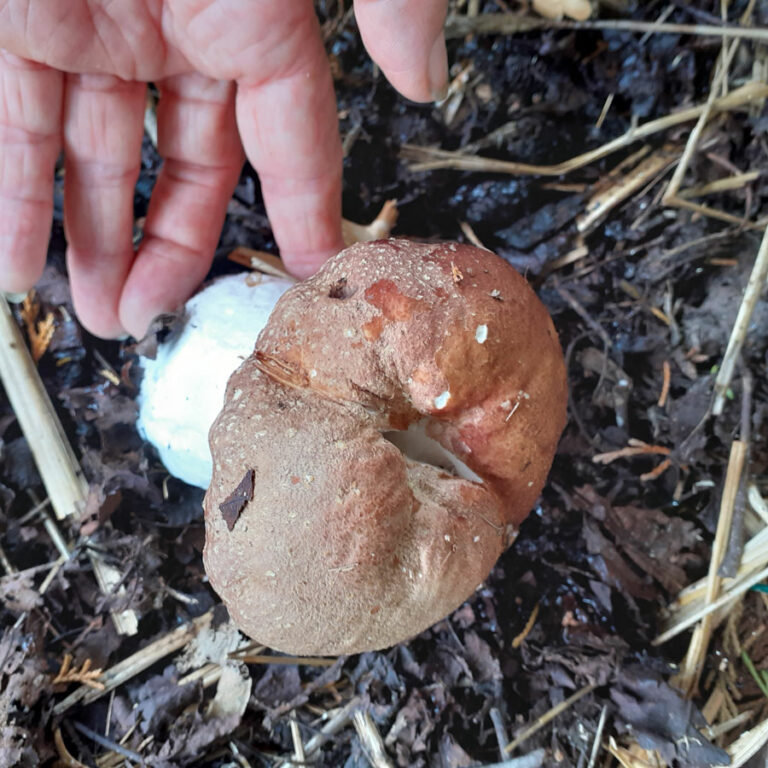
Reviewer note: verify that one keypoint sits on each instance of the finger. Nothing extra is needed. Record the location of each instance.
(103, 128)
(197, 136)
(405, 38)
(30, 120)
(290, 132)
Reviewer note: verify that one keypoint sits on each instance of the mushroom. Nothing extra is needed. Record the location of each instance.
(183, 385)
(380, 447)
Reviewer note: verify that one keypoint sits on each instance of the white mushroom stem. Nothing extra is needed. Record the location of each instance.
(182, 390)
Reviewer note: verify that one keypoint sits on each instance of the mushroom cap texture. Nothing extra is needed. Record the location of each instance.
(347, 544)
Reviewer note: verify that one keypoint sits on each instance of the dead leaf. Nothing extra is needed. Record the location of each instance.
(233, 505)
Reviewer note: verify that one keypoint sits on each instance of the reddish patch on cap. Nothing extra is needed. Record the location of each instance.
(386, 296)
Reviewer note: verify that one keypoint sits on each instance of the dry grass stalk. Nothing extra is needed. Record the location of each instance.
(634, 756)
(371, 740)
(754, 557)
(379, 228)
(757, 502)
(428, 158)
(136, 663)
(336, 720)
(548, 716)
(514, 23)
(673, 196)
(747, 745)
(688, 678)
(298, 744)
(738, 335)
(605, 200)
(721, 185)
(269, 264)
(62, 477)
(735, 591)
(596, 743)
(58, 466)
(261, 261)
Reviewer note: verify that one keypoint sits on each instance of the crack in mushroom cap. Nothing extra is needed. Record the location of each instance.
(348, 544)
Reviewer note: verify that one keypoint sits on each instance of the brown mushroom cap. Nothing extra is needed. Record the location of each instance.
(346, 544)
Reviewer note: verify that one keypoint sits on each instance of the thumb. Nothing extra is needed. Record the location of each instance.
(405, 38)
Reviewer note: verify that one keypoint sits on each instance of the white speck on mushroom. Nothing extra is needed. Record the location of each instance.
(447, 537)
(476, 539)
(481, 334)
(271, 574)
(237, 394)
(349, 333)
(442, 399)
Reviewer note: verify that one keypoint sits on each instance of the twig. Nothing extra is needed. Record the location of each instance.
(666, 378)
(576, 306)
(59, 469)
(519, 639)
(549, 716)
(103, 741)
(136, 663)
(499, 730)
(754, 288)
(598, 737)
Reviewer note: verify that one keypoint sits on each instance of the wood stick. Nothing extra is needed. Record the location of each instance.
(136, 663)
(688, 678)
(59, 468)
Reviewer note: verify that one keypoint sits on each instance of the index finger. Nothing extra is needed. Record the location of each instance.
(289, 127)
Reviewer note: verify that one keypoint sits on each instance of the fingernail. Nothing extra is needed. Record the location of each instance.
(438, 69)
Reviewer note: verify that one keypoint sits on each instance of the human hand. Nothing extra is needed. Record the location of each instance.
(236, 78)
